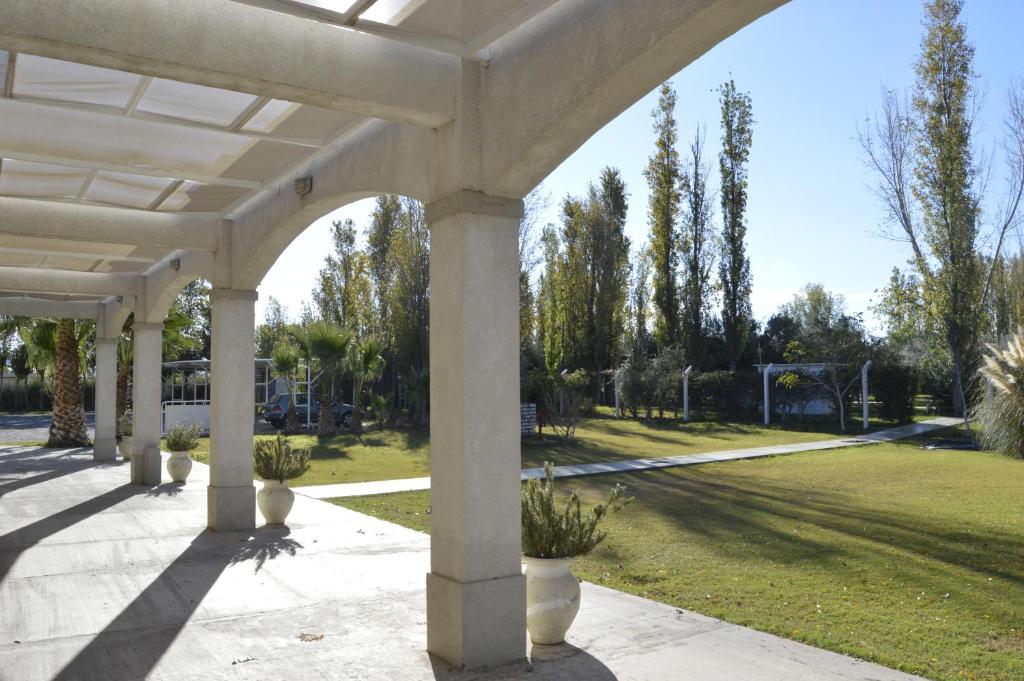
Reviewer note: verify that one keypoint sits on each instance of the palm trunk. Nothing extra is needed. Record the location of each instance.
(357, 414)
(292, 425)
(67, 428)
(325, 425)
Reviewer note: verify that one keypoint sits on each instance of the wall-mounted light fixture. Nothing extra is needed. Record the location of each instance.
(303, 185)
(175, 264)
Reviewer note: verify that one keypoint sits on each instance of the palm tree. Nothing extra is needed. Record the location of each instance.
(286, 364)
(417, 395)
(329, 344)
(58, 345)
(39, 336)
(366, 363)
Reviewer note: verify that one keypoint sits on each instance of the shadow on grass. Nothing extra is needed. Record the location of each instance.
(745, 516)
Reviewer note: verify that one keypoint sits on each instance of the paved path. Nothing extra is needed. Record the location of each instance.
(105, 581)
(31, 427)
(359, 489)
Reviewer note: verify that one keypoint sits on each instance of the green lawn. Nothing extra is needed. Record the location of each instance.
(394, 454)
(374, 455)
(891, 553)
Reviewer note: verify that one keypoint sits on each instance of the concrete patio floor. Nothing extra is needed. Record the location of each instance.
(103, 581)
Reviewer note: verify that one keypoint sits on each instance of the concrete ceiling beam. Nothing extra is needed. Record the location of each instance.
(99, 224)
(230, 45)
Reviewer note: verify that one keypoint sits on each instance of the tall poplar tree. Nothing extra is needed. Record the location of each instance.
(663, 174)
(933, 187)
(734, 265)
(696, 240)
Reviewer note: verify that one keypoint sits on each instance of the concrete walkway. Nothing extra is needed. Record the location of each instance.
(359, 489)
(33, 427)
(103, 581)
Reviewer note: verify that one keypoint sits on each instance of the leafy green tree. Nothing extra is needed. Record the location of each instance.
(734, 265)
(8, 331)
(273, 331)
(583, 291)
(344, 292)
(830, 336)
(22, 369)
(696, 241)
(663, 174)
(408, 295)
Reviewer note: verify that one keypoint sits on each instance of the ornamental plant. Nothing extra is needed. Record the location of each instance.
(550, 532)
(274, 459)
(1000, 414)
(124, 425)
(183, 437)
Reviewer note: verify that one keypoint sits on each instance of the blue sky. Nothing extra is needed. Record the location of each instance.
(814, 70)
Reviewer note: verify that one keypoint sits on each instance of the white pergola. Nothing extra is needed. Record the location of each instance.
(145, 143)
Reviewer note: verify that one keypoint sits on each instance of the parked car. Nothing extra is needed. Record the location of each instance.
(276, 409)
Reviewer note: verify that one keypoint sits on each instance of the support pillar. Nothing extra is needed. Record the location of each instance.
(146, 393)
(476, 592)
(864, 391)
(105, 441)
(767, 395)
(686, 393)
(231, 496)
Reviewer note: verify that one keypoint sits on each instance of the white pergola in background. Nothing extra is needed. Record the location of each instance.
(145, 143)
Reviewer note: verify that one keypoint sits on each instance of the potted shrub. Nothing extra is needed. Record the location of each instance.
(276, 463)
(552, 537)
(181, 439)
(124, 427)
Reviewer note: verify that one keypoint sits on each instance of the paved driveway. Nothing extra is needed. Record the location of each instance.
(30, 427)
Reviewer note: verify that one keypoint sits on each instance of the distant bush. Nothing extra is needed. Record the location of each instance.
(728, 393)
(894, 385)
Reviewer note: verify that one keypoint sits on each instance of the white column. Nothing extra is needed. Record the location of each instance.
(146, 394)
(105, 442)
(476, 593)
(864, 390)
(767, 397)
(686, 393)
(231, 496)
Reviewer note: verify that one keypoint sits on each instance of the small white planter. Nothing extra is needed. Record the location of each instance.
(275, 501)
(552, 599)
(179, 466)
(125, 447)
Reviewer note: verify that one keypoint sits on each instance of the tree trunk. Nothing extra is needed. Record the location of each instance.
(357, 412)
(292, 425)
(325, 425)
(67, 428)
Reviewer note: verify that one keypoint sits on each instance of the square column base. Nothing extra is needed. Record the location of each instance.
(104, 449)
(476, 624)
(230, 509)
(146, 466)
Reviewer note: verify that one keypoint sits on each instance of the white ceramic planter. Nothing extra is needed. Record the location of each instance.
(552, 599)
(125, 447)
(179, 466)
(275, 501)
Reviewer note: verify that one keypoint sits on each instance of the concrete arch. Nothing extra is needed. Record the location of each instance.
(609, 55)
(163, 285)
(380, 158)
